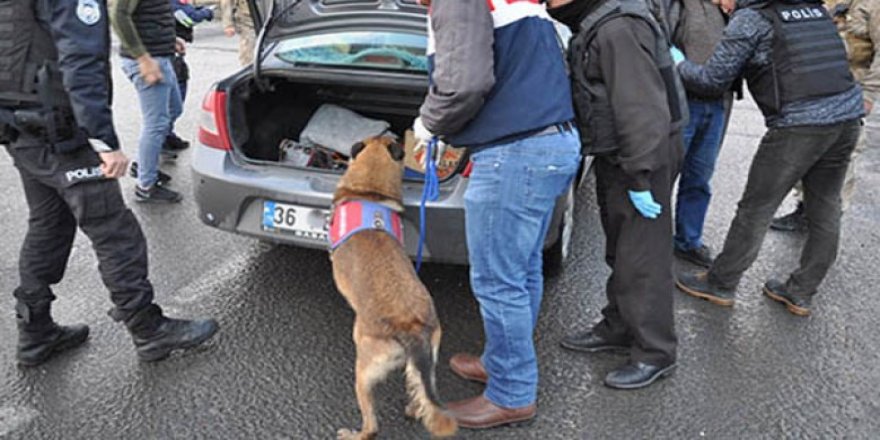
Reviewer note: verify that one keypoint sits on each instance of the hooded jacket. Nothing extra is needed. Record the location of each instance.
(747, 47)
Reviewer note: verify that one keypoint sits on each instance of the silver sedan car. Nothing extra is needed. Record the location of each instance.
(364, 56)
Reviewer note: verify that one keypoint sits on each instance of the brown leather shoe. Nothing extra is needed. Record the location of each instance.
(469, 367)
(479, 413)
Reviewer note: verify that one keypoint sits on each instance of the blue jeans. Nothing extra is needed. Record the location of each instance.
(508, 208)
(702, 141)
(160, 107)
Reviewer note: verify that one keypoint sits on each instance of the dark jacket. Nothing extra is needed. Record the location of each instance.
(747, 48)
(696, 27)
(80, 34)
(144, 26)
(637, 95)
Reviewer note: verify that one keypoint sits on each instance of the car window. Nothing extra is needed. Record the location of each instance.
(372, 50)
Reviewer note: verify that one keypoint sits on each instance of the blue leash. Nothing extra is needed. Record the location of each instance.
(430, 192)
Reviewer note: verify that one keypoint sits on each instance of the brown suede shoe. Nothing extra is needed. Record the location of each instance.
(469, 367)
(479, 413)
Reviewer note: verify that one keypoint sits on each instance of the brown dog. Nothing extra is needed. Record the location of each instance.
(396, 324)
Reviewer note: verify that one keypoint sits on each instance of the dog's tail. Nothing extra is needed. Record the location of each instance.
(419, 350)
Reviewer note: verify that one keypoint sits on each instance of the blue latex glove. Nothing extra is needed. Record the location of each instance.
(645, 204)
(677, 55)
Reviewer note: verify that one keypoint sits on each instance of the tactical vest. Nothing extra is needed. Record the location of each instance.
(154, 21)
(809, 58)
(595, 116)
(27, 53)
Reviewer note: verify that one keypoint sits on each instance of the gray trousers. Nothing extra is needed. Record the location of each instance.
(817, 156)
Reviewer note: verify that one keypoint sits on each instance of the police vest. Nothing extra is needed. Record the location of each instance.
(27, 52)
(531, 90)
(595, 117)
(809, 58)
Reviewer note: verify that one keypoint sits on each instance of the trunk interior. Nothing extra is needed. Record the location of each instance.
(261, 120)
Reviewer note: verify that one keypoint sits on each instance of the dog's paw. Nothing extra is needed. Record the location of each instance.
(346, 434)
(412, 410)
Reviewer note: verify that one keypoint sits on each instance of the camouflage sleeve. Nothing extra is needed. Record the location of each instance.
(226, 13)
(864, 22)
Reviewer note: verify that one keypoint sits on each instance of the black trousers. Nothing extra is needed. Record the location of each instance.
(64, 191)
(639, 252)
(817, 156)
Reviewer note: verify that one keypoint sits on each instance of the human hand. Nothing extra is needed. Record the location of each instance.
(113, 164)
(229, 31)
(645, 204)
(180, 46)
(183, 18)
(423, 138)
(149, 68)
(677, 55)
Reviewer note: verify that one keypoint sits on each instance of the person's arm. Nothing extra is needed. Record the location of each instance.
(121, 15)
(83, 58)
(226, 13)
(864, 22)
(637, 94)
(463, 64)
(741, 39)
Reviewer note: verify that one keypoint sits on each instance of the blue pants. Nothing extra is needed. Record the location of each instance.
(702, 141)
(160, 107)
(508, 208)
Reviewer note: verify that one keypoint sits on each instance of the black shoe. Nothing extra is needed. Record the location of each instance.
(796, 304)
(39, 338)
(637, 375)
(697, 284)
(162, 180)
(701, 256)
(590, 342)
(796, 221)
(174, 143)
(168, 154)
(157, 194)
(156, 336)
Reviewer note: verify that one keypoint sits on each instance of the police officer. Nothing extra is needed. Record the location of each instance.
(55, 109)
(631, 109)
(796, 67)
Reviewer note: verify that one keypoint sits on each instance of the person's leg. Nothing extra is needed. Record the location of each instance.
(849, 183)
(694, 191)
(783, 158)
(643, 280)
(692, 136)
(822, 201)
(154, 102)
(513, 185)
(246, 43)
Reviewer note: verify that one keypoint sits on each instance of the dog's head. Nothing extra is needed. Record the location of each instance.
(374, 171)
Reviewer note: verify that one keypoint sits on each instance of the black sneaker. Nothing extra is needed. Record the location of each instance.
(796, 221)
(174, 143)
(698, 285)
(173, 334)
(157, 194)
(796, 304)
(163, 178)
(701, 256)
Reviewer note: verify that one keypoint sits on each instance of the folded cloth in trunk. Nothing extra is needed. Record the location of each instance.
(339, 129)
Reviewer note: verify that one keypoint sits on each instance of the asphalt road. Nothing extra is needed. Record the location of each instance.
(282, 366)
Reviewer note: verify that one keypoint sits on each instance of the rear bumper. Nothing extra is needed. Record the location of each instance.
(230, 195)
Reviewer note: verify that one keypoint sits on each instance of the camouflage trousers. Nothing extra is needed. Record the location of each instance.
(246, 40)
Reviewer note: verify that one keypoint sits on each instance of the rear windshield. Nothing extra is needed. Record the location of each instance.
(371, 50)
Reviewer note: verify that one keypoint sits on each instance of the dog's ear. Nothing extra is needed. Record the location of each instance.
(356, 149)
(396, 150)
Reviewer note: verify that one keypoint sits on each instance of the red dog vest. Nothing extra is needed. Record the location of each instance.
(355, 216)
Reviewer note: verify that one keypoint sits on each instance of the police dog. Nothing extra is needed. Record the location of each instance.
(396, 323)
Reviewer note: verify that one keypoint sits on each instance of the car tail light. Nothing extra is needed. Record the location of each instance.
(214, 131)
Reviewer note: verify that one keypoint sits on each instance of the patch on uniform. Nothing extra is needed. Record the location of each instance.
(83, 174)
(806, 13)
(88, 12)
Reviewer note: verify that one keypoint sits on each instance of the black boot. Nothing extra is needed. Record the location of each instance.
(39, 337)
(156, 336)
(796, 221)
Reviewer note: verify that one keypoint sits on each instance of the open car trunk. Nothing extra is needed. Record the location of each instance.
(263, 123)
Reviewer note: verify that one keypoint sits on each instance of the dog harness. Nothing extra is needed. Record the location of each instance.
(354, 216)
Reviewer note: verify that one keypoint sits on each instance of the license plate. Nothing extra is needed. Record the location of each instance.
(300, 221)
